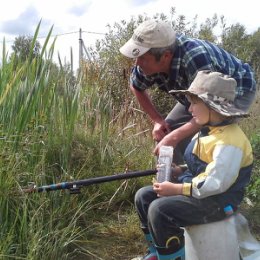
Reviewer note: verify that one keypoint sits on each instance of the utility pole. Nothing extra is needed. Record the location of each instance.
(80, 48)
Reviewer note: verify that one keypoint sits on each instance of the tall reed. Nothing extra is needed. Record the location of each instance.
(36, 114)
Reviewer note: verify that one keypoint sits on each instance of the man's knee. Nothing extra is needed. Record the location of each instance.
(178, 116)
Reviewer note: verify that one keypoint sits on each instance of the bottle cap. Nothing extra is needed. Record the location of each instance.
(228, 210)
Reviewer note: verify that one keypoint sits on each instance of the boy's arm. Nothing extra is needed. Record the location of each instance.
(219, 175)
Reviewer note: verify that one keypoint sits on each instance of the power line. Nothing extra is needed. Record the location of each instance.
(94, 32)
(60, 34)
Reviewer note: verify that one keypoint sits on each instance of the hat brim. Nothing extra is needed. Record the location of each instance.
(225, 108)
(131, 50)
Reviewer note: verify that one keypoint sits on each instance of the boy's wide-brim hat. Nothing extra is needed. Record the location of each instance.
(216, 90)
(149, 34)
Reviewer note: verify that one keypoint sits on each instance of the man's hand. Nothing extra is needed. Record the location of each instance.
(174, 137)
(160, 130)
(170, 139)
(167, 188)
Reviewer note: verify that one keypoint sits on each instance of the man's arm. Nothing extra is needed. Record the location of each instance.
(161, 128)
(174, 137)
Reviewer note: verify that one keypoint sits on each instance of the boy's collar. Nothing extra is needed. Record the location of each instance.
(228, 121)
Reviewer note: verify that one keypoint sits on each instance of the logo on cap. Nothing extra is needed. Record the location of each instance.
(135, 52)
(137, 38)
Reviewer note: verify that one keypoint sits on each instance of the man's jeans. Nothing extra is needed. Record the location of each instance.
(164, 216)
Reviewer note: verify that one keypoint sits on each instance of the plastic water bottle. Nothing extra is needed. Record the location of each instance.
(164, 163)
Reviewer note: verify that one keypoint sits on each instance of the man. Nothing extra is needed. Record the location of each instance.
(171, 62)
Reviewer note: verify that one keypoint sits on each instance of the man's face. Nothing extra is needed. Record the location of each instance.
(149, 65)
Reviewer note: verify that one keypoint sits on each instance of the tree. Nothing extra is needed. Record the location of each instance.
(235, 40)
(254, 42)
(23, 45)
(206, 29)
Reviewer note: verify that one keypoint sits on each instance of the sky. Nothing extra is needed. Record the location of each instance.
(20, 18)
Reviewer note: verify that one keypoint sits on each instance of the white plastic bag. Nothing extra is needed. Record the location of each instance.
(248, 245)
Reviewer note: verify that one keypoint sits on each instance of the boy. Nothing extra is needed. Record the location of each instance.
(218, 167)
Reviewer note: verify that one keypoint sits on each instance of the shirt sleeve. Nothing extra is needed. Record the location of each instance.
(219, 175)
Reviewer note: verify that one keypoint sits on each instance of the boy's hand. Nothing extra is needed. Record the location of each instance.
(175, 171)
(167, 188)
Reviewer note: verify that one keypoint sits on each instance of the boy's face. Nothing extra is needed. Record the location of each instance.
(199, 110)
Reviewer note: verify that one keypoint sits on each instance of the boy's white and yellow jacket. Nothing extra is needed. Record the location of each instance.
(219, 161)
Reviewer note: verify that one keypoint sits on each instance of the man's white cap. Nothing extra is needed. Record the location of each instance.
(149, 34)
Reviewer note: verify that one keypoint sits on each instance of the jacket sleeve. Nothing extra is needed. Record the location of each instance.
(219, 174)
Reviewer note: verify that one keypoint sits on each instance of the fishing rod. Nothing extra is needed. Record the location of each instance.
(74, 186)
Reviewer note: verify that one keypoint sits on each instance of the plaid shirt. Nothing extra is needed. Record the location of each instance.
(190, 56)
